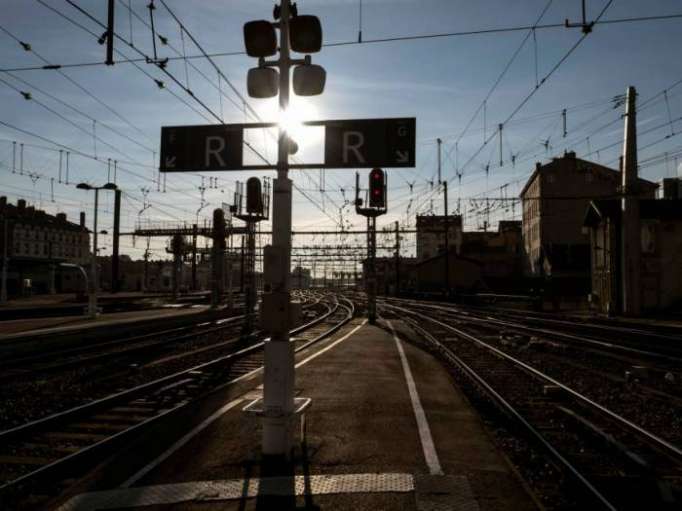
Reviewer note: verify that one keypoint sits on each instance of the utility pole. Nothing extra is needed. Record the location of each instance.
(176, 248)
(195, 230)
(94, 278)
(631, 234)
(217, 257)
(5, 260)
(397, 258)
(440, 142)
(371, 269)
(115, 279)
(250, 275)
(447, 241)
(241, 266)
(146, 268)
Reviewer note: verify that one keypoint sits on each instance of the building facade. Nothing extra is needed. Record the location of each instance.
(660, 271)
(34, 243)
(554, 199)
(499, 254)
(431, 230)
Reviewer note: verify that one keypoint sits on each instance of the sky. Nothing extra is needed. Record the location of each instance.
(110, 116)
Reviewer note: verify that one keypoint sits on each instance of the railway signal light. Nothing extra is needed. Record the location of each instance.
(305, 34)
(254, 196)
(260, 39)
(262, 82)
(377, 189)
(309, 79)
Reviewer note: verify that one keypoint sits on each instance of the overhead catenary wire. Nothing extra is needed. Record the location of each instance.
(188, 91)
(533, 91)
(416, 37)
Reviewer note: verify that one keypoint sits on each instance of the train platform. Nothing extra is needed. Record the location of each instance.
(387, 429)
(28, 327)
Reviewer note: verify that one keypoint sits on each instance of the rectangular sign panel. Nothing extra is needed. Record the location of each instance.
(201, 148)
(354, 143)
(369, 143)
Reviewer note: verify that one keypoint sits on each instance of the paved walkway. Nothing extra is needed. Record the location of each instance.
(387, 429)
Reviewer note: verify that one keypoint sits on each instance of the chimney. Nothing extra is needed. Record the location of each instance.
(3, 203)
(21, 205)
(61, 217)
(82, 220)
(538, 165)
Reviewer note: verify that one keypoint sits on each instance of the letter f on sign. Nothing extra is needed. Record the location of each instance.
(353, 141)
(214, 146)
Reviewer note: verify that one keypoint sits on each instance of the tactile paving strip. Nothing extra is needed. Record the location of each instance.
(204, 491)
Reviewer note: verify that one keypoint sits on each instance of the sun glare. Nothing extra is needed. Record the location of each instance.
(292, 120)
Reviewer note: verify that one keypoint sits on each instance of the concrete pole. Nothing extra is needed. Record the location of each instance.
(278, 385)
(440, 142)
(115, 280)
(217, 257)
(230, 297)
(397, 258)
(195, 228)
(447, 241)
(631, 252)
(5, 261)
(92, 299)
(371, 270)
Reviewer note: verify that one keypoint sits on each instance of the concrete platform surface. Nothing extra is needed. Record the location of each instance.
(387, 429)
(16, 328)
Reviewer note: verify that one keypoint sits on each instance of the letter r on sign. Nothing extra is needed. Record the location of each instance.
(214, 146)
(353, 141)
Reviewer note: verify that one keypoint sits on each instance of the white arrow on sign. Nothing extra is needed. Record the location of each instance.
(170, 162)
(402, 156)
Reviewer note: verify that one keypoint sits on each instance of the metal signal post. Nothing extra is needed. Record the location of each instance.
(377, 207)
(255, 210)
(302, 34)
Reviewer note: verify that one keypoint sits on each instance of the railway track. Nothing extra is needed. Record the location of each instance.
(136, 348)
(653, 341)
(63, 445)
(616, 463)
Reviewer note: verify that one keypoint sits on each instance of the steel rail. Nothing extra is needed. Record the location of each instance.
(622, 421)
(510, 410)
(115, 439)
(481, 317)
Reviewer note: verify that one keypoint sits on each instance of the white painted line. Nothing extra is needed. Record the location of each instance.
(318, 353)
(430, 455)
(221, 411)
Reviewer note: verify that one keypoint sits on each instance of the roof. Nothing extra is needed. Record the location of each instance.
(31, 216)
(593, 166)
(661, 209)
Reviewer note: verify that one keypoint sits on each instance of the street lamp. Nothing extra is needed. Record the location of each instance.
(302, 34)
(94, 283)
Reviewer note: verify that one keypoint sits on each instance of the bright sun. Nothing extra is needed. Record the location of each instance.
(293, 117)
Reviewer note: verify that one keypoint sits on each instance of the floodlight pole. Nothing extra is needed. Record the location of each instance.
(92, 297)
(278, 387)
